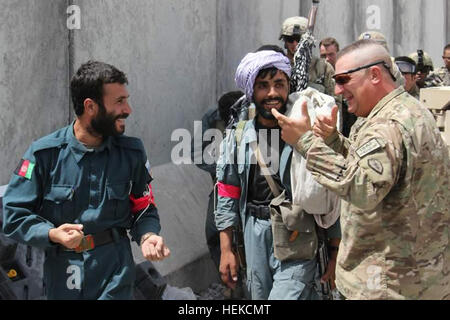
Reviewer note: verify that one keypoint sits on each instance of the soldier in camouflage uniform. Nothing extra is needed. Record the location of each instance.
(443, 73)
(393, 177)
(424, 63)
(408, 67)
(320, 71)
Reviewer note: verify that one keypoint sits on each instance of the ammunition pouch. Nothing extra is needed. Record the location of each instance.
(294, 231)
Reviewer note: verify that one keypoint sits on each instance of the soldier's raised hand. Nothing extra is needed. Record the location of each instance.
(326, 125)
(293, 129)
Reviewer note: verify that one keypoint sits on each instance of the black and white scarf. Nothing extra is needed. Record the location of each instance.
(302, 61)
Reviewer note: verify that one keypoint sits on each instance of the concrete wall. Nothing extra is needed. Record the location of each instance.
(167, 48)
(244, 26)
(179, 55)
(33, 76)
(407, 24)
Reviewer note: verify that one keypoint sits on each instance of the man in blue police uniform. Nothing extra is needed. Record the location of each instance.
(77, 191)
(244, 194)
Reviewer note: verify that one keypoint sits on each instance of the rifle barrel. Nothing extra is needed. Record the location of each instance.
(313, 16)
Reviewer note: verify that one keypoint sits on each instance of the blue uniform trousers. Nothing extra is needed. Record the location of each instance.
(267, 277)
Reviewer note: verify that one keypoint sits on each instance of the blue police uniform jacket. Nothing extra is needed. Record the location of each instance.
(65, 182)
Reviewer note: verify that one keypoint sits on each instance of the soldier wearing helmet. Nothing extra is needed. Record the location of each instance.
(408, 68)
(376, 36)
(320, 71)
(424, 67)
(443, 74)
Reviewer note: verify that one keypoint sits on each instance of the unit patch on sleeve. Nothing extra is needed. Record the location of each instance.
(376, 166)
(368, 148)
(25, 169)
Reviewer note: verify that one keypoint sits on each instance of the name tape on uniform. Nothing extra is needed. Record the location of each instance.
(369, 147)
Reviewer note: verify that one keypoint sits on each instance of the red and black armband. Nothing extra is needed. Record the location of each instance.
(140, 205)
(228, 191)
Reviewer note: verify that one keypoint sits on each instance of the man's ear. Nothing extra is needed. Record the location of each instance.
(375, 75)
(90, 107)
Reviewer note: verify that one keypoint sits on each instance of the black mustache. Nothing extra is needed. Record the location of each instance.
(122, 116)
(274, 99)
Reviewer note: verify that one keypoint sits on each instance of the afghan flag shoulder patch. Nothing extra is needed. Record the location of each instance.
(25, 169)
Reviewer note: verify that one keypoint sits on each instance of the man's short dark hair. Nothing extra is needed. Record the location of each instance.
(272, 71)
(271, 47)
(88, 83)
(226, 101)
(328, 42)
(447, 47)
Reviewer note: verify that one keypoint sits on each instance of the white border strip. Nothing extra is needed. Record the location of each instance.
(2, 190)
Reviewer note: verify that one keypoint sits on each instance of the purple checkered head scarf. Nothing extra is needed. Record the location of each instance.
(253, 63)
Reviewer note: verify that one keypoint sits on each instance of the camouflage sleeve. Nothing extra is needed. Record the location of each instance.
(338, 143)
(228, 186)
(369, 171)
(434, 79)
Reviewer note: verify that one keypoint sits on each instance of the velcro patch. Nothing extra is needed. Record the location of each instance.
(376, 166)
(368, 148)
(25, 169)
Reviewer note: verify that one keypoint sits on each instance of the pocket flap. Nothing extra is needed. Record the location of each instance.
(59, 194)
(118, 191)
(278, 200)
(296, 219)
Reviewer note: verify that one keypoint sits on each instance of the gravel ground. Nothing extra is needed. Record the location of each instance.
(214, 292)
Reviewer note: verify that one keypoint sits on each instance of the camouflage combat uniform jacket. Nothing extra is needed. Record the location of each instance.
(415, 92)
(442, 75)
(393, 175)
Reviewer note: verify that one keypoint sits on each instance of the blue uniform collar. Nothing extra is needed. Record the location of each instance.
(79, 150)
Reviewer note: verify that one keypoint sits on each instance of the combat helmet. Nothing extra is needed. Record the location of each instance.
(376, 36)
(423, 60)
(293, 26)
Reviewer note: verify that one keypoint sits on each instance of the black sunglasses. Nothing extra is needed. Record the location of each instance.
(291, 39)
(343, 78)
